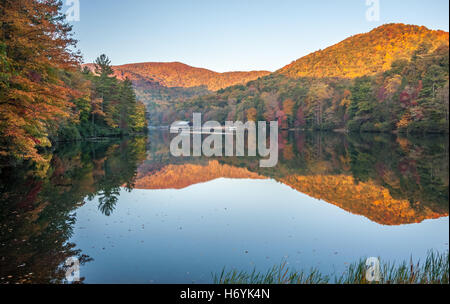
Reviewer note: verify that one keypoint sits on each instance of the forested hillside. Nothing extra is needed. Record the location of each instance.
(44, 95)
(410, 96)
(177, 74)
(366, 54)
(161, 84)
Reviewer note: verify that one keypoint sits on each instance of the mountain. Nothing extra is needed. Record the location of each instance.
(392, 79)
(366, 54)
(180, 75)
(161, 85)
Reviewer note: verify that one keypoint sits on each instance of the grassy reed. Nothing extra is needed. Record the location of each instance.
(434, 270)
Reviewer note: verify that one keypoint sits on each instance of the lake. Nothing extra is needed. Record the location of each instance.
(133, 213)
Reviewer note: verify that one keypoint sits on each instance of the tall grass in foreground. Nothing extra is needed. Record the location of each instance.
(434, 270)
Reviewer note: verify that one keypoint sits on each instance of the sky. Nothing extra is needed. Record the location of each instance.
(234, 35)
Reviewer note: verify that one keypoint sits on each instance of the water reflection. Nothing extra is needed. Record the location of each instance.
(38, 205)
(388, 179)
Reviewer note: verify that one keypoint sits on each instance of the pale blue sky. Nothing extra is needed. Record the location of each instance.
(234, 34)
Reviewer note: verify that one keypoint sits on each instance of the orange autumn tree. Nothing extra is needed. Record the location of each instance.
(36, 46)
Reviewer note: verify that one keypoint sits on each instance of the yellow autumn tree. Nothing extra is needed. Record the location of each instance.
(404, 121)
(288, 107)
(251, 114)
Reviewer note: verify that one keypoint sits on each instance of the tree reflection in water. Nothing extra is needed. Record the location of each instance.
(38, 204)
(390, 180)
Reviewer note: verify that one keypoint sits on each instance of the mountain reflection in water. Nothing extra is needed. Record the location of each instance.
(390, 180)
(387, 179)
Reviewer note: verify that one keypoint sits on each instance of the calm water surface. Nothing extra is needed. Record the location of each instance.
(132, 213)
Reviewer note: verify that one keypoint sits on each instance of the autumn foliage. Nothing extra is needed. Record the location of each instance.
(366, 54)
(34, 51)
(177, 74)
(394, 78)
(43, 95)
